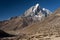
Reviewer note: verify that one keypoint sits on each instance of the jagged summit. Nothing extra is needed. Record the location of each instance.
(37, 12)
(34, 10)
(36, 7)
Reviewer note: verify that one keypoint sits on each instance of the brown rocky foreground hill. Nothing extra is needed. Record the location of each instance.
(48, 29)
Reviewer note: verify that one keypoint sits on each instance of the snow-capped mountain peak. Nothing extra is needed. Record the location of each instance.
(35, 8)
(37, 12)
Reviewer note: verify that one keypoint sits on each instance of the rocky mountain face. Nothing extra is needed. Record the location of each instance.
(35, 24)
(36, 12)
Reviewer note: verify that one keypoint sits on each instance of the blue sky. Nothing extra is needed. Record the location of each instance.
(11, 8)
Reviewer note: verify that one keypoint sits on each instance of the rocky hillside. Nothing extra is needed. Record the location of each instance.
(49, 29)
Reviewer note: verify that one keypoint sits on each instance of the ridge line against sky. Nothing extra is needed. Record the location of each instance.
(11, 8)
